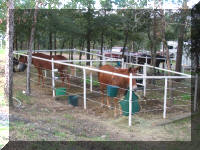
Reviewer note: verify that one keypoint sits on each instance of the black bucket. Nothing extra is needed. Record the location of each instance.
(21, 67)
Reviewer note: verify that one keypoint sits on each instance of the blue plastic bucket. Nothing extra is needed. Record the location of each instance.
(112, 90)
(118, 63)
(73, 100)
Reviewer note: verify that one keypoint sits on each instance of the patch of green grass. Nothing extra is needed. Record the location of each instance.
(2, 51)
(97, 139)
(22, 97)
(68, 116)
(60, 134)
(3, 102)
(94, 82)
(16, 124)
(186, 97)
(3, 128)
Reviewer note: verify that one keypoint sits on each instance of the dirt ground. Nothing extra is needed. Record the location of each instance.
(41, 117)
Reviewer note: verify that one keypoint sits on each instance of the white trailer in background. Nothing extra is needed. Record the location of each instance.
(186, 60)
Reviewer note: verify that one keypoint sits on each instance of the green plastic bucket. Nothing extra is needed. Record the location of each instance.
(60, 91)
(112, 90)
(125, 104)
(73, 100)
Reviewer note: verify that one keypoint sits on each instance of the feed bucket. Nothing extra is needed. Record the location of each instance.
(60, 91)
(112, 90)
(73, 100)
(118, 63)
(125, 104)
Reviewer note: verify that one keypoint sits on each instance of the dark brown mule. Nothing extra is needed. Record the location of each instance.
(41, 65)
(107, 79)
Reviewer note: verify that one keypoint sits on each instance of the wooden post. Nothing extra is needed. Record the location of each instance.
(84, 88)
(165, 99)
(130, 100)
(53, 77)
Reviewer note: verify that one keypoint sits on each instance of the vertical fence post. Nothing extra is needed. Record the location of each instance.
(53, 77)
(144, 78)
(122, 63)
(136, 59)
(84, 88)
(165, 99)
(130, 99)
(146, 60)
(195, 92)
(91, 77)
(103, 58)
(85, 56)
(45, 73)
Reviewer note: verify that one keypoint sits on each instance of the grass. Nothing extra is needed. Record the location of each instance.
(2, 51)
(186, 97)
(22, 97)
(68, 116)
(94, 82)
(60, 134)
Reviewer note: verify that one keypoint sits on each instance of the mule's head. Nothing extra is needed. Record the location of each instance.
(22, 63)
(133, 71)
(23, 59)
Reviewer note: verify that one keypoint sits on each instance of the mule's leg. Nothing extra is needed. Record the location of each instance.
(38, 76)
(108, 102)
(115, 103)
(68, 81)
(102, 99)
(42, 78)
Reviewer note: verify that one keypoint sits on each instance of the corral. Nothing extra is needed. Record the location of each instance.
(153, 98)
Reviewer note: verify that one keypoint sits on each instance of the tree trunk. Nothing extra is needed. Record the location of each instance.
(88, 49)
(102, 40)
(21, 45)
(125, 43)
(111, 43)
(38, 42)
(9, 54)
(63, 45)
(71, 47)
(94, 44)
(82, 48)
(55, 43)
(28, 88)
(69, 50)
(16, 46)
(180, 42)
(50, 43)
